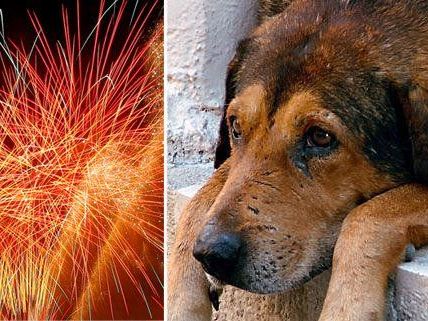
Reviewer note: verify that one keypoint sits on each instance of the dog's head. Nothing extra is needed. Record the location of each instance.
(315, 124)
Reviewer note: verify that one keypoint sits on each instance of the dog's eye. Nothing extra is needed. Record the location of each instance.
(235, 127)
(317, 137)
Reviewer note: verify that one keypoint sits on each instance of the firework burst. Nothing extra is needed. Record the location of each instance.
(81, 171)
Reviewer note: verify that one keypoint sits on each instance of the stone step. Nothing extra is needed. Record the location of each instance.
(411, 288)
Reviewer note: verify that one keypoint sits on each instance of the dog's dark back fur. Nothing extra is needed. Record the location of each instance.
(380, 46)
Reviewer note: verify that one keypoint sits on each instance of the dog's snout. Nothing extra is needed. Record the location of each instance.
(218, 252)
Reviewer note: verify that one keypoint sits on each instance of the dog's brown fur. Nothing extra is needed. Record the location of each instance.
(358, 71)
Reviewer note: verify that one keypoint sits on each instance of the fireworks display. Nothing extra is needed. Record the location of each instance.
(81, 168)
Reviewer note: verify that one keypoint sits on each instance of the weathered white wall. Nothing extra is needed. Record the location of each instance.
(201, 36)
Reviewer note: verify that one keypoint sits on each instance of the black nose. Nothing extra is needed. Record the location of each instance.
(218, 252)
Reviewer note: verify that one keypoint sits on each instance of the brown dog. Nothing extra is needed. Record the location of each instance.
(324, 146)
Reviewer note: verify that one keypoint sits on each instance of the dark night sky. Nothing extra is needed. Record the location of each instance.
(18, 26)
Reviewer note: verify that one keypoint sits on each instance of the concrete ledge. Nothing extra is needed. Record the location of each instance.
(408, 296)
(182, 197)
(411, 288)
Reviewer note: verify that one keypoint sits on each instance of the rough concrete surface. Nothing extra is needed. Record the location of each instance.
(407, 295)
(411, 288)
(187, 175)
(303, 304)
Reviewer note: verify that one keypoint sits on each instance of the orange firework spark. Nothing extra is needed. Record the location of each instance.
(81, 172)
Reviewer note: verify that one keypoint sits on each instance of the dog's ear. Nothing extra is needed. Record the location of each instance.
(416, 114)
(223, 148)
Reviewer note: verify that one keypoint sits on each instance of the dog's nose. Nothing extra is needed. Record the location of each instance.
(217, 252)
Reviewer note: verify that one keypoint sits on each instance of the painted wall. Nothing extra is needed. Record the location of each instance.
(201, 36)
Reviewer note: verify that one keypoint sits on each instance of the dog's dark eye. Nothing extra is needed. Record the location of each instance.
(317, 137)
(235, 127)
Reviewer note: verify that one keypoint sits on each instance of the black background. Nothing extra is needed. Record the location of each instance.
(18, 26)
